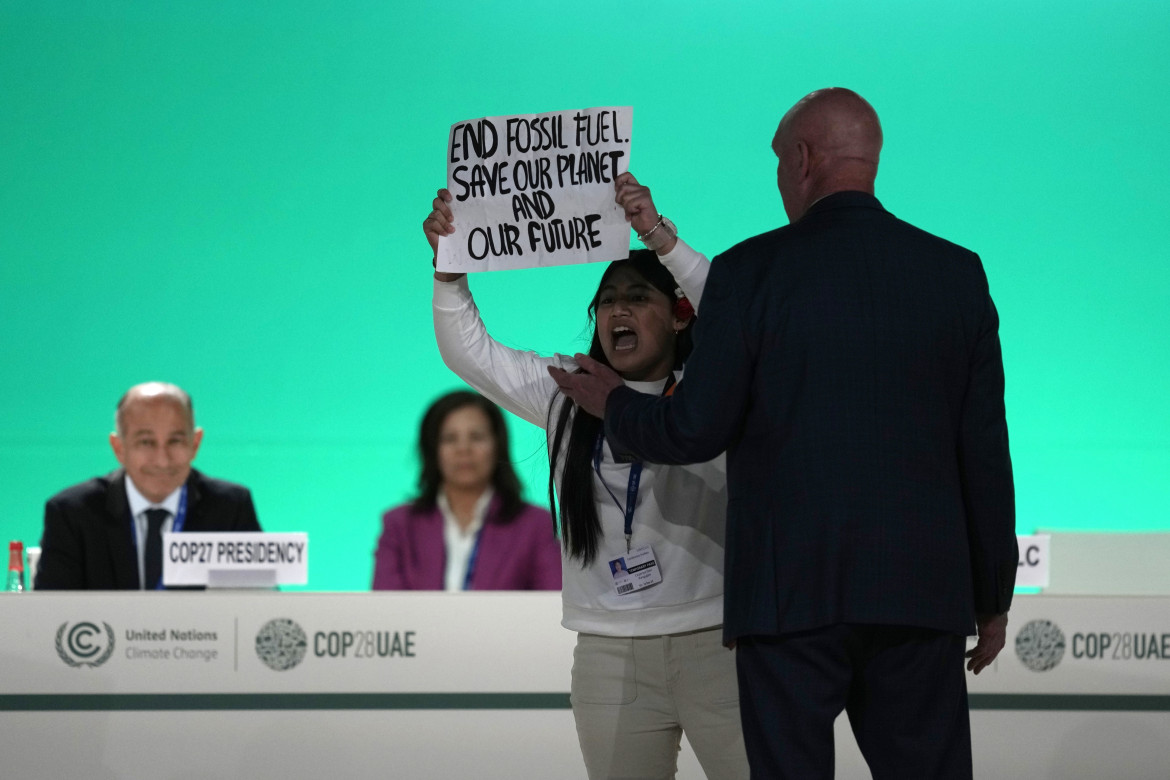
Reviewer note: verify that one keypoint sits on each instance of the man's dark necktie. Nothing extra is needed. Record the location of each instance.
(152, 558)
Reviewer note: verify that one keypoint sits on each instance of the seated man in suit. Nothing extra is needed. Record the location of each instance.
(106, 533)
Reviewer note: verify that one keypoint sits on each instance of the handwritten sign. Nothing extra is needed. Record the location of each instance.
(536, 190)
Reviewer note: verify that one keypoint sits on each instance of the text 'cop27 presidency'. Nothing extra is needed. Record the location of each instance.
(536, 190)
(184, 550)
(191, 558)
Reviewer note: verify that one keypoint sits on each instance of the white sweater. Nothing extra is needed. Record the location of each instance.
(681, 511)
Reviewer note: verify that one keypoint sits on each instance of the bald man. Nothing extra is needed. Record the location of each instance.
(850, 365)
(105, 534)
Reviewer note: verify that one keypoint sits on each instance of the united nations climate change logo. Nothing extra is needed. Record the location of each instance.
(281, 644)
(1040, 645)
(84, 644)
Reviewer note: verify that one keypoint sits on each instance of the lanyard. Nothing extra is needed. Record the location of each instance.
(631, 488)
(176, 526)
(635, 475)
(181, 515)
(471, 560)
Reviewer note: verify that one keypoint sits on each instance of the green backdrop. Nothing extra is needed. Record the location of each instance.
(228, 195)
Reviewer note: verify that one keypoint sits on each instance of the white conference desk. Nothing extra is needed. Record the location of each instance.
(174, 685)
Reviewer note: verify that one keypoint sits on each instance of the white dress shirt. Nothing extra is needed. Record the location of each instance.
(460, 542)
(138, 506)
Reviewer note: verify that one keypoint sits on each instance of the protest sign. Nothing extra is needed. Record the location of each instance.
(536, 190)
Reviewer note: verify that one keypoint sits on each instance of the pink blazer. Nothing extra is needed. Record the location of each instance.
(520, 554)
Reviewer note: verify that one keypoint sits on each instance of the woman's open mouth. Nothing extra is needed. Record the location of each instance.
(624, 338)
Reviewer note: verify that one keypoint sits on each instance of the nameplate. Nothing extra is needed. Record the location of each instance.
(1033, 569)
(235, 559)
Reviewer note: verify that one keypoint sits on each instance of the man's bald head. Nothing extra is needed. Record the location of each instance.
(153, 393)
(828, 142)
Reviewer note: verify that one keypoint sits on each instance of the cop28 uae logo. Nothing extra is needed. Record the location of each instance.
(85, 644)
(281, 644)
(1040, 645)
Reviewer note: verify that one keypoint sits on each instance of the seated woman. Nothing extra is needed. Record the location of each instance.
(468, 528)
(642, 544)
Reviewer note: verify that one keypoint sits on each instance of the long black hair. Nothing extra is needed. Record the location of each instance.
(579, 524)
(430, 478)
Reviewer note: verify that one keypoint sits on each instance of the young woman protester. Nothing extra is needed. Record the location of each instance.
(641, 544)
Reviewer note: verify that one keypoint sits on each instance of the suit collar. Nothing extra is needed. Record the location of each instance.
(117, 504)
(119, 507)
(123, 548)
(194, 489)
(844, 200)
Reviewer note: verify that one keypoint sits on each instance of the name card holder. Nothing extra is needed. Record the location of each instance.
(235, 560)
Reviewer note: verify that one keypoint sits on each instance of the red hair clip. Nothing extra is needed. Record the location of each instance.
(683, 309)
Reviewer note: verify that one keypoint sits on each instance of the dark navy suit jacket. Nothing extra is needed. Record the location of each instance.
(850, 366)
(88, 543)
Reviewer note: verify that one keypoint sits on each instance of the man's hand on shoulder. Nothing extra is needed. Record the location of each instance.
(589, 389)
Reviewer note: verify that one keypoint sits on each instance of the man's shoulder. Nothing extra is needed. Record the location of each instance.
(758, 246)
(857, 207)
(751, 257)
(219, 505)
(90, 492)
(937, 242)
(827, 225)
(218, 487)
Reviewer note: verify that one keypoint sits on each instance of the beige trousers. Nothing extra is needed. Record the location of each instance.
(633, 698)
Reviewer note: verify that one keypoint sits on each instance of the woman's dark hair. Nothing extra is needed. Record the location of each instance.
(580, 526)
(504, 478)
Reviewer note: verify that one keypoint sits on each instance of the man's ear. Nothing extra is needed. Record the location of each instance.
(117, 446)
